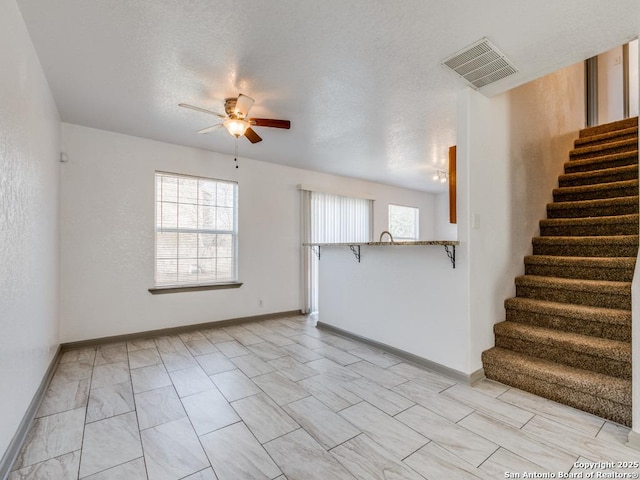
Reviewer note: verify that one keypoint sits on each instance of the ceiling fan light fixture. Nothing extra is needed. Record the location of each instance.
(236, 127)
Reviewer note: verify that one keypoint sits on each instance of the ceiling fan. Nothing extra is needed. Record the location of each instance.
(236, 120)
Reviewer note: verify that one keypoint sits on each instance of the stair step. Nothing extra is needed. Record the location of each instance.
(609, 127)
(590, 226)
(594, 208)
(605, 161)
(613, 136)
(605, 149)
(604, 246)
(594, 293)
(614, 324)
(604, 175)
(617, 269)
(611, 357)
(603, 395)
(624, 188)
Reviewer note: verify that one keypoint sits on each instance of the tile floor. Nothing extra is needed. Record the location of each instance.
(281, 399)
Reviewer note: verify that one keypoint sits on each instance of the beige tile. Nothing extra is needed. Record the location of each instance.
(504, 461)
(365, 459)
(432, 461)
(217, 335)
(301, 457)
(301, 353)
(339, 356)
(614, 433)
(292, 369)
(252, 365)
(111, 354)
(307, 341)
(87, 355)
(61, 397)
(206, 474)
(232, 349)
(386, 400)
(243, 336)
(571, 417)
(280, 388)
(213, 363)
(277, 339)
(264, 417)
(375, 356)
(200, 346)
(158, 406)
(425, 396)
(518, 441)
(234, 385)
(149, 378)
(109, 401)
(172, 450)
(503, 411)
(72, 371)
(144, 358)
(175, 360)
(429, 378)
(235, 454)
(133, 470)
(381, 376)
(457, 440)
(191, 336)
(332, 369)
(141, 344)
(330, 392)
(110, 374)
(190, 380)
(109, 443)
(64, 467)
(385, 430)
(209, 411)
(51, 437)
(266, 351)
(491, 388)
(325, 426)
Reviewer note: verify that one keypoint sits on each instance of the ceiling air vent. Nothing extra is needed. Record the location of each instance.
(480, 64)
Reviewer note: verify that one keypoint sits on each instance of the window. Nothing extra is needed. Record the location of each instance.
(403, 222)
(196, 231)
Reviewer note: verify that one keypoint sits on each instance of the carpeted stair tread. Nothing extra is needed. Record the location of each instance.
(590, 226)
(614, 324)
(598, 384)
(609, 127)
(615, 350)
(597, 293)
(604, 175)
(604, 149)
(605, 161)
(587, 246)
(587, 268)
(603, 395)
(594, 208)
(612, 136)
(598, 191)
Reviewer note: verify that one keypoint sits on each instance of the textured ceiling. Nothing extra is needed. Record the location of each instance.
(361, 81)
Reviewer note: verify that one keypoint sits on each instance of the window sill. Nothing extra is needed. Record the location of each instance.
(194, 288)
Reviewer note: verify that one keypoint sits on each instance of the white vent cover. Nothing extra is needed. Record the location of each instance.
(480, 64)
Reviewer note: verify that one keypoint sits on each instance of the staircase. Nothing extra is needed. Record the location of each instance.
(567, 334)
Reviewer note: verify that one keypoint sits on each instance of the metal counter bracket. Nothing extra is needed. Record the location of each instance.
(356, 251)
(451, 254)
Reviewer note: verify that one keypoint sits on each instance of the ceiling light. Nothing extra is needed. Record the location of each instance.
(235, 126)
(440, 176)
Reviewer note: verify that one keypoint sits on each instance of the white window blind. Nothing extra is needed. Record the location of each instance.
(404, 222)
(196, 230)
(338, 219)
(330, 218)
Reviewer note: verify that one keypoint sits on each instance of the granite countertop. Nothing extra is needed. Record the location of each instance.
(386, 244)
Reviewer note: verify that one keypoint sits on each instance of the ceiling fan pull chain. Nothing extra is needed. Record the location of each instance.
(236, 156)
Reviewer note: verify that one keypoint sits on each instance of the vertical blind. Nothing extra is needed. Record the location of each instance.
(338, 219)
(196, 230)
(329, 218)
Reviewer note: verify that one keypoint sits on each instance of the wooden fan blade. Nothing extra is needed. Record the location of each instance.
(210, 129)
(252, 135)
(203, 110)
(270, 122)
(243, 105)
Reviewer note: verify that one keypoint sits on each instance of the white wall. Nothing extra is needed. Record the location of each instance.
(108, 233)
(408, 297)
(444, 229)
(512, 150)
(29, 193)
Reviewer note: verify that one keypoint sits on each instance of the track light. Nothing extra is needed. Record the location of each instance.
(440, 176)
